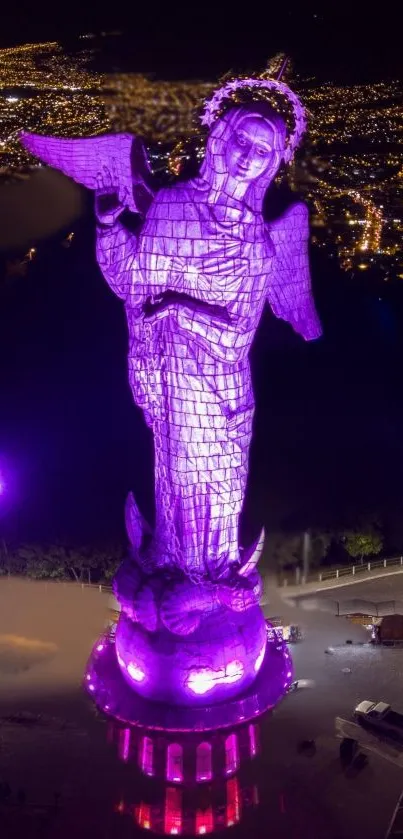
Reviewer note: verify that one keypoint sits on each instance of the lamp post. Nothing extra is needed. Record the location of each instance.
(306, 555)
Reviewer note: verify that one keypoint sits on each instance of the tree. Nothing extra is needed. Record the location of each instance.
(283, 550)
(81, 562)
(109, 567)
(365, 541)
(39, 563)
(62, 562)
(320, 544)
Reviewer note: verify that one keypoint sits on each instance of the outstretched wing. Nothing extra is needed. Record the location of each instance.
(85, 158)
(290, 294)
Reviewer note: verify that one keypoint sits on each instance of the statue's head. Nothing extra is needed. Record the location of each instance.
(254, 146)
(244, 151)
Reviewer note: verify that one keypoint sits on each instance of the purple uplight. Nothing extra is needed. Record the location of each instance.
(252, 739)
(204, 770)
(174, 768)
(125, 743)
(231, 754)
(203, 680)
(146, 755)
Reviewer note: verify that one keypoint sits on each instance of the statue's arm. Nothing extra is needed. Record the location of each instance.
(227, 341)
(116, 254)
(218, 281)
(116, 246)
(290, 291)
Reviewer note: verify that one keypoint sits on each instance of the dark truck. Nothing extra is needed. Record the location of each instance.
(390, 630)
(380, 717)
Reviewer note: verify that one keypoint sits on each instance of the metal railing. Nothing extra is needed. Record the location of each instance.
(345, 571)
(103, 588)
(352, 570)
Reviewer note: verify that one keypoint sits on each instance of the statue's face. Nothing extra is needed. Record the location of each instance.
(251, 149)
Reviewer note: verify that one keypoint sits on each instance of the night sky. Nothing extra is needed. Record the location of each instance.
(343, 40)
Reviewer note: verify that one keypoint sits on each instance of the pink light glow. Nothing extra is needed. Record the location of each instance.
(233, 802)
(233, 671)
(174, 770)
(252, 739)
(146, 756)
(173, 810)
(125, 743)
(201, 681)
(203, 762)
(135, 672)
(204, 821)
(231, 754)
(142, 816)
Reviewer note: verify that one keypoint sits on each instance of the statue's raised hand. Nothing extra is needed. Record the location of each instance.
(109, 204)
(119, 160)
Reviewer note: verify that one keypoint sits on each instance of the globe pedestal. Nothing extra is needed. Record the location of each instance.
(217, 661)
(114, 695)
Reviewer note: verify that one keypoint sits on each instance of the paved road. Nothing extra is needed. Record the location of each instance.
(384, 588)
(344, 581)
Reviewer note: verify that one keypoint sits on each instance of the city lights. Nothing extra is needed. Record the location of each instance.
(355, 195)
(349, 170)
(46, 90)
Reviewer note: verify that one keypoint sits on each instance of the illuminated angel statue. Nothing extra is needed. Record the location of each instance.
(194, 282)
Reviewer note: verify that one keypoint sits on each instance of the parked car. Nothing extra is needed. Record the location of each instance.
(380, 717)
(276, 629)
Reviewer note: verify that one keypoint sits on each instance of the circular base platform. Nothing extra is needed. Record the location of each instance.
(113, 696)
